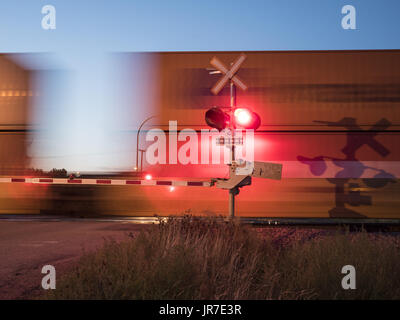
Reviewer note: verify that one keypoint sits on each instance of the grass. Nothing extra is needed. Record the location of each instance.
(191, 258)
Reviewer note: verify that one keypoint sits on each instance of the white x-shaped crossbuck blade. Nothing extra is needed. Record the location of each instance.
(228, 73)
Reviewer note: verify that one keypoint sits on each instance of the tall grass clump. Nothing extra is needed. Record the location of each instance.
(319, 264)
(193, 258)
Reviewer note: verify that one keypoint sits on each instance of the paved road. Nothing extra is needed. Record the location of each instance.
(26, 246)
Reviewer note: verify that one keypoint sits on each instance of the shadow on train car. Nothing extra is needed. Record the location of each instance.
(352, 169)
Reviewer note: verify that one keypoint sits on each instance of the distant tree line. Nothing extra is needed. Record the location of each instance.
(54, 173)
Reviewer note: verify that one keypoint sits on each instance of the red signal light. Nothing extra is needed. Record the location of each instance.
(242, 116)
(247, 119)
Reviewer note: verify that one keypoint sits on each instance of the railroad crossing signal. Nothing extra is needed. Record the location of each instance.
(228, 74)
(244, 118)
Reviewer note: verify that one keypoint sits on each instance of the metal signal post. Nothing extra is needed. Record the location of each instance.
(232, 128)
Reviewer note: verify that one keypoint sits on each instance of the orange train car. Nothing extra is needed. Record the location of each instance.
(15, 106)
(330, 117)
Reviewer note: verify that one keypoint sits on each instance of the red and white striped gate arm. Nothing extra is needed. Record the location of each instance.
(177, 183)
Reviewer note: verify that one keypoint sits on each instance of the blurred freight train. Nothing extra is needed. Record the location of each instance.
(15, 103)
(330, 117)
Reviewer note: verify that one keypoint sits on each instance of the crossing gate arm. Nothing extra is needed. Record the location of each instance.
(130, 182)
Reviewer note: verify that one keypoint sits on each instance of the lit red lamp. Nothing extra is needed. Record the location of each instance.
(243, 118)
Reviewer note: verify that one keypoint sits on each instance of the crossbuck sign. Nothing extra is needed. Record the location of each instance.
(228, 74)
